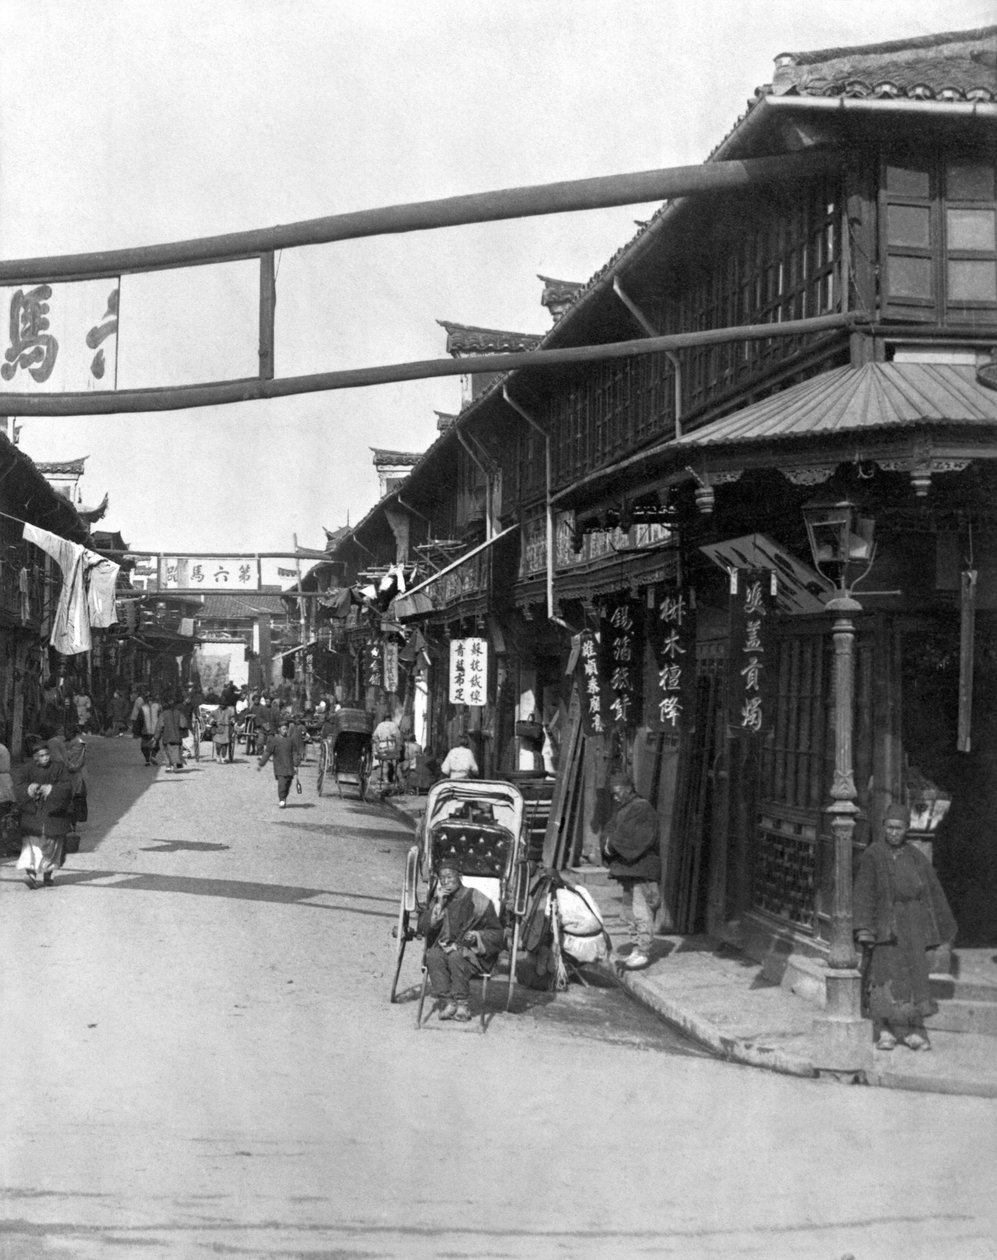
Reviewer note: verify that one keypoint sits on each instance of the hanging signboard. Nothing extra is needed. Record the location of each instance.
(590, 684)
(751, 659)
(672, 635)
(468, 671)
(59, 337)
(620, 660)
(374, 666)
(390, 665)
(210, 573)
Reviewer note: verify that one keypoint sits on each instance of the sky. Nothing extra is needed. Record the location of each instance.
(137, 122)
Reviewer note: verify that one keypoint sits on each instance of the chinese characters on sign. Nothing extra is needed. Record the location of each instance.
(60, 337)
(211, 573)
(375, 666)
(390, 665)
(673, 643)
(590, 684)
(468, 671)
(752, 607)
(620, 661)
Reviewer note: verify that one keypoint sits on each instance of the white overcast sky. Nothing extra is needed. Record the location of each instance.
(158, 120)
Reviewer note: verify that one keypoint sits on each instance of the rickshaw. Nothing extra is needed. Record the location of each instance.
(346, 753)
(482, 824)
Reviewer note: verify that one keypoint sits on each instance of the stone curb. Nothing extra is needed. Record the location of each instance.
(733, 1049)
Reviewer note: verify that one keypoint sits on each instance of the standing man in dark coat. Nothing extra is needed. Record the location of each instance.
(900, 913)
(170, 731)
(630, 850)
(282, 749)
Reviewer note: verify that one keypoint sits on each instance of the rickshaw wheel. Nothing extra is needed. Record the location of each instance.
(321, 769)
(363, 777)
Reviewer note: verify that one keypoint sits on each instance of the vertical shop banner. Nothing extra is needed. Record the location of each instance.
(620, 660)
(390, 665)
(751, 662)
(468, 671)
(374, 667)
(590, 684)
(672, 635)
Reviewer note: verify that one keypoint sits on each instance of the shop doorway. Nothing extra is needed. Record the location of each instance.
(965, 845)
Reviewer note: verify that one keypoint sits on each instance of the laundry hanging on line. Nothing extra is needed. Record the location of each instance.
(87, 596)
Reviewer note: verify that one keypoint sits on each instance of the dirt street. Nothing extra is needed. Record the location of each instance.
(199, 1059)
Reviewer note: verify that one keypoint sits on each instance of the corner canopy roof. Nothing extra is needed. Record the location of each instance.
(874, 396)
(880, 401)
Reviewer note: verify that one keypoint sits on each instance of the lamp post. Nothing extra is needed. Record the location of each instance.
(841, 540)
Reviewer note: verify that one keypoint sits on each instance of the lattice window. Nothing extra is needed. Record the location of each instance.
(796, 767)
(938, 236)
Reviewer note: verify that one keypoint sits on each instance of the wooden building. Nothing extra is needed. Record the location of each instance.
(846, 360)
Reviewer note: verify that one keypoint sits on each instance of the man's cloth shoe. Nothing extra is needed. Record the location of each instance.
(915, 1041)
(462, 1012)
(636, 961)
(449, 1011)
(886, 1041)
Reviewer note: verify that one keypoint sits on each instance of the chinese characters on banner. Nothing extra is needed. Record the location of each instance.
(673, 645)
(374, 665)
(752, 612)
(468, 671)
(620, 661)
(59, 337)
(213, 573)
(590, 684)
(390, 665)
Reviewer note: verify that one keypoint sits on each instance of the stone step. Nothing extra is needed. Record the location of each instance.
(965, 1017)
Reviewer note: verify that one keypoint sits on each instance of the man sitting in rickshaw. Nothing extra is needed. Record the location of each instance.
(464, 937)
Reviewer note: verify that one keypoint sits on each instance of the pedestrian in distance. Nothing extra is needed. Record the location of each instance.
(148, 721)
(44, 794)
(899, 913)
(460, 762)
(281, 749)
(119, 713)
(630, 848)
(463, 938)
(224, 721)
(170, 732)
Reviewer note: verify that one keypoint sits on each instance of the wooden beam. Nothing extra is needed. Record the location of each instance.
(250, 389)
(417, 216)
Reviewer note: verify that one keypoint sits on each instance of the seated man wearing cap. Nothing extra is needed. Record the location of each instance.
(464, 937)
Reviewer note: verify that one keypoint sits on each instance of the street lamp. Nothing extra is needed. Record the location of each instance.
(841, 538)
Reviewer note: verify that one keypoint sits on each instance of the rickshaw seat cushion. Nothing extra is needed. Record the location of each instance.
(480, 849)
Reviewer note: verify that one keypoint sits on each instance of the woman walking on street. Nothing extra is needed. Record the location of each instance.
(44, 793)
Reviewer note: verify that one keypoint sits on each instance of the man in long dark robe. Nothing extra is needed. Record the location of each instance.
(900, 913)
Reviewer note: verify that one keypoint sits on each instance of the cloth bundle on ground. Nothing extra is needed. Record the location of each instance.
(561, 919)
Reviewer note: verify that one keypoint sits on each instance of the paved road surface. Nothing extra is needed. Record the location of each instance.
(198, 1059)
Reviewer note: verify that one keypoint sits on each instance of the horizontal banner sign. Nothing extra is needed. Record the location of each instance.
(59, 338)
(217, 573)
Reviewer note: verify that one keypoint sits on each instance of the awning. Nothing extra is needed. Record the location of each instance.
(418, 601)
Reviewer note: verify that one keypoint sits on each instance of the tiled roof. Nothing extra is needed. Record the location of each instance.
(228, 607)
(960, 65)
(391, 458)
(463, 338)
(62, 467)
(848, 400)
